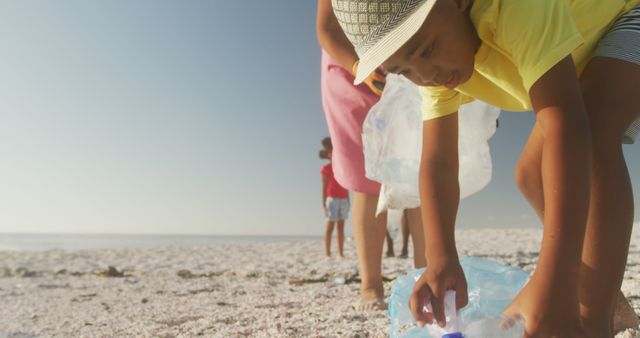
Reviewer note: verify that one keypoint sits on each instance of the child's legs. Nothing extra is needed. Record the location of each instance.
(610, 92)
(529, 180)
(328, 233)
(369, 232)
(340, 237)
(414, 218)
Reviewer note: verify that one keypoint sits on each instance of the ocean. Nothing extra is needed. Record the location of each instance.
(23, 241)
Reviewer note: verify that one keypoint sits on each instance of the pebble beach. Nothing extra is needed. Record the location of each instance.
(270, 289)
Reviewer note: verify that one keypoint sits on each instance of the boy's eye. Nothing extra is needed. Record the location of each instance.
(427, 52)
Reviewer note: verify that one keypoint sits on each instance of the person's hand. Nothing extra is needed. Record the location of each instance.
(546, 313)
(326, 212)
(431, 288)
(375, 81)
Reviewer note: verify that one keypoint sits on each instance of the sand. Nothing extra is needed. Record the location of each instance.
(272, 289)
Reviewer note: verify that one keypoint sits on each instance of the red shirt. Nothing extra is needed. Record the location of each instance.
(334, 189)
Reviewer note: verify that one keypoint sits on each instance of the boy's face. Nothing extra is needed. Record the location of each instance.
(441, 53)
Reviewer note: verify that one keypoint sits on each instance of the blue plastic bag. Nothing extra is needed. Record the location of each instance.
(491, 287)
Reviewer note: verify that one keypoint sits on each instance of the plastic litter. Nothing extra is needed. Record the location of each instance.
(392, 139)
(453, 322)
(491, 287)
(339, 280)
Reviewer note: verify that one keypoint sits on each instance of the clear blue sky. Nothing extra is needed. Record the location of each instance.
(157, 116)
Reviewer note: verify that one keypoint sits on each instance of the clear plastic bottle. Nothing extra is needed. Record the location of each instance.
(453, 323)
(488, 327)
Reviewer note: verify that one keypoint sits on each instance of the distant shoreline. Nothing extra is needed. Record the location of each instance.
(38, 242)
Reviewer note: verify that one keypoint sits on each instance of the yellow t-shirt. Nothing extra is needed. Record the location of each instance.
(522, 40)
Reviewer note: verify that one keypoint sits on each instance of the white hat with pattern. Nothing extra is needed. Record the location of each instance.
(378, 28)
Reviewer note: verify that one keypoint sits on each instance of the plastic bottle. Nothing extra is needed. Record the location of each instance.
(453, 323)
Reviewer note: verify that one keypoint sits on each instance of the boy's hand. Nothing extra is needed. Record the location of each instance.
(547, 311)
(431, 289)
(375, 81)
(326, 212)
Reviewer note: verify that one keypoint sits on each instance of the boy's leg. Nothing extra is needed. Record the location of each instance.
(328, 233)
(417, 236)
(610, 91)
(405, 235)
(529, 180)
(528, 173)
(340, 237)
(369, 232)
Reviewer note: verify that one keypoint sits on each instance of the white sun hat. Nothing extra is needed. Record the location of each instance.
(378, 28)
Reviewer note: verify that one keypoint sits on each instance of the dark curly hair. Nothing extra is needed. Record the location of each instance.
(328, 147)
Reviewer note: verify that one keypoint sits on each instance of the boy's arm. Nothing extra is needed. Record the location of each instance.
(439, 186)
(439, 198)
(566, 163)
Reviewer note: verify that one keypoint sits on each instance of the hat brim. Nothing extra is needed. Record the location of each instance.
(390, 43)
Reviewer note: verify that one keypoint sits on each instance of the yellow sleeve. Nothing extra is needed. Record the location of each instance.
(441, 101)
(537, 34)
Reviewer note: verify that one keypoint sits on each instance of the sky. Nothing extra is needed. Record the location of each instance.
(183, 117)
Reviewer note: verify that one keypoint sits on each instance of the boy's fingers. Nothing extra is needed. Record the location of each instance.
(437, 305)
(462, 297)
(415, 305)
(419, 298)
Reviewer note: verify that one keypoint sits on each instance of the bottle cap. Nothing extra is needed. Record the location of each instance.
(453, 335)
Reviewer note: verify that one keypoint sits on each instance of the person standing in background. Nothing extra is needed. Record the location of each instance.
(335, 202)
(404, 227)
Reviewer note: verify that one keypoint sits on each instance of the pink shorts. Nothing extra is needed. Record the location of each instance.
(345, 108)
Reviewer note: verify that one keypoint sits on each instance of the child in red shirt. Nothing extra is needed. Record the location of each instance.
(335, 201)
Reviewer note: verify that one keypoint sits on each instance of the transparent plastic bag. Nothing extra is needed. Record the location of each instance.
(392, 139)
(491, 287)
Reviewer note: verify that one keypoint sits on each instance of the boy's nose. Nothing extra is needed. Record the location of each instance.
(429, 78)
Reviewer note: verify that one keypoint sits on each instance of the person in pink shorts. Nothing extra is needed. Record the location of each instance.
(346, 107)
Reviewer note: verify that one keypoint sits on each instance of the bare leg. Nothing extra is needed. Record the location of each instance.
(612, 103)
(328, 233)
(390, 251)
(404, 224)
(414, 220)
(529, 179)
(340, 237)
(369, 232)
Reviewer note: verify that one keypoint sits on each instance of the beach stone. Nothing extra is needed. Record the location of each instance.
(25, 273)
(5, 272)
(110, 272)
(184, 273)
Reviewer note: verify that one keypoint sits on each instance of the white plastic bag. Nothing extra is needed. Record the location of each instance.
(392, 139)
